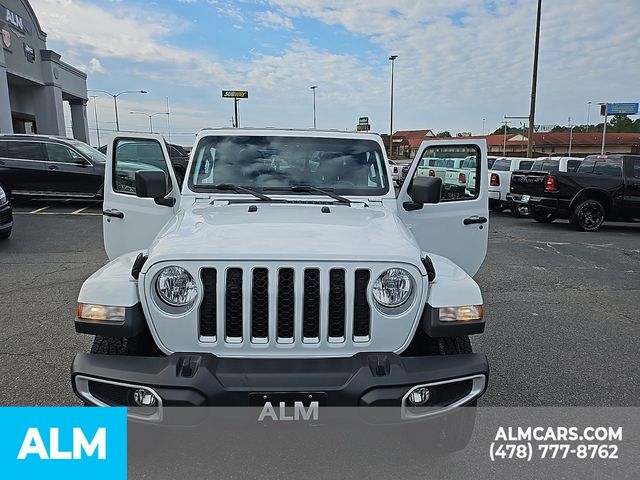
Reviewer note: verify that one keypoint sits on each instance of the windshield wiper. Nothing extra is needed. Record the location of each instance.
(238, 189)
(321, 191)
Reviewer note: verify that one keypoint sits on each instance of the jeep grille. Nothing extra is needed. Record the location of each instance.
(263, 323)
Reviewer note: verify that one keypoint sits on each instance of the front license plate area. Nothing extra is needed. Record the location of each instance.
(288, 399)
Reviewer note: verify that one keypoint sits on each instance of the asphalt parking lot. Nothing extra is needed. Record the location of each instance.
(562, 308)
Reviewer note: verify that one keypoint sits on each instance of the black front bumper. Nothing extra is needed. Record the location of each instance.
(365, 379)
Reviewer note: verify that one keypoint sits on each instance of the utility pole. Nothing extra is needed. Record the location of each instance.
(604, 128)
(392, 58)
(504, 140)
(95, 111)
(168, 120)
(570, 135)
(314, 105)
(588, 114)
(483, 123)
(534, 83)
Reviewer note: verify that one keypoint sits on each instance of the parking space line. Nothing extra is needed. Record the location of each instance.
(80, 210)
(81, 214)
(38, 210)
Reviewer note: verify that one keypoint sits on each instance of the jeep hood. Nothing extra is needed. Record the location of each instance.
(285, 232)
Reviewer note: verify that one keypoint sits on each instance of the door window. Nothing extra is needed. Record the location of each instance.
(459, 168)
(609, 167)
(572, 165)
(636, 168)
(25, 150)
(133, 155)
(61, 154)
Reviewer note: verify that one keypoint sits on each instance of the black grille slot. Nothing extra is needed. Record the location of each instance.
(336, 303)
(208, 312)
(311, 308)
(286, 299)
(260, 303)
(361, 309)
(233, 303)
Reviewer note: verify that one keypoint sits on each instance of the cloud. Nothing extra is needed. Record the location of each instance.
(273, 20)
(95, 66)
(459, 60)
(137, 35)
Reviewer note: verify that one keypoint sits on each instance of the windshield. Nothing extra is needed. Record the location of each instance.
(89, 152)
(346, 166)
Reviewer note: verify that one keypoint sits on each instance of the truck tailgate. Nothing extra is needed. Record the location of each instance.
(528, 182)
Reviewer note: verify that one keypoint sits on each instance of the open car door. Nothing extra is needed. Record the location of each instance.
(458, 226)
(130, 222)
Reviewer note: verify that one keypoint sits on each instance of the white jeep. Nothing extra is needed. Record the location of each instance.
(286, 264)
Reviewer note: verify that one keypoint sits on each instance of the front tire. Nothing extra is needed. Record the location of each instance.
(588, 216)
(140, 345)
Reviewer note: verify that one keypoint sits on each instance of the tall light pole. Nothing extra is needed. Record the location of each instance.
(392, 58)
(313, 88)
(604, 127)
(570, 135)
(115, 101)
(150, 115)
(534, 83)
(483, 121)
(95, 111)
(588, 114)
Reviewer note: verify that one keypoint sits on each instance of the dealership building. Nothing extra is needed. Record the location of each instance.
(34, 82)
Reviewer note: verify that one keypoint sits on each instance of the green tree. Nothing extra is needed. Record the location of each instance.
(445, 133)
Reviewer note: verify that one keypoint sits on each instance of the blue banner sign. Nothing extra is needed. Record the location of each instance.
(622, 108)
(63, 442)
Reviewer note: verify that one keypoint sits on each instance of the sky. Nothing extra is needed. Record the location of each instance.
(459, 61)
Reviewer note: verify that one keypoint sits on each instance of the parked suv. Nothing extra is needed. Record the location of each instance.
(286, 265)
(499, 179)
(42, 165)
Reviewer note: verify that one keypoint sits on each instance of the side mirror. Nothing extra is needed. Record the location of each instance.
(81, 162)
(424, 190)
(153, 184)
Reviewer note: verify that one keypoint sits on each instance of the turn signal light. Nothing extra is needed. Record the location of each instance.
(551, 184)
(461, 314)
(462, 178)
(495, 180)
(432, 173)
(88, 311)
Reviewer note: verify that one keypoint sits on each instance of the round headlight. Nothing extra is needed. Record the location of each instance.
(393, 287)
(176, 287)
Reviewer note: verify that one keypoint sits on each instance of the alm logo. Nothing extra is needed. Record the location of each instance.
(300, 412)
(34, 445)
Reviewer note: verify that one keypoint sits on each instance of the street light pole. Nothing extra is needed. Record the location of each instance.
(604, 128)
(150, 115)
(115, 101)
(313, 88)
(588, 114)
(95, 111)
(483, 120)
(570, 135)
(393, 61)
(534, 83)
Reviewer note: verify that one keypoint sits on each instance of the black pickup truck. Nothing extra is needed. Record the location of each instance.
(603, 187)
